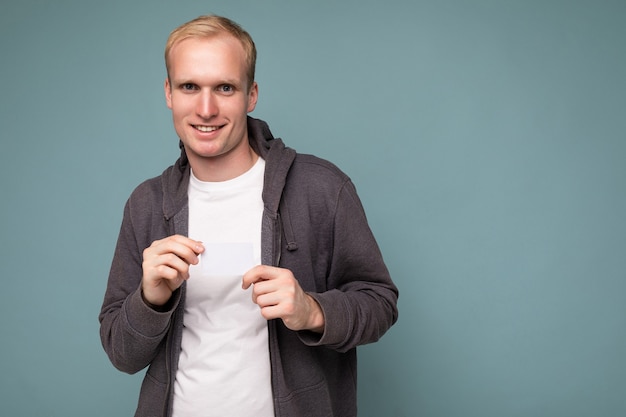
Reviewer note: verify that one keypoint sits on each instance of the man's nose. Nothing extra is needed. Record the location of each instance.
(207, 105)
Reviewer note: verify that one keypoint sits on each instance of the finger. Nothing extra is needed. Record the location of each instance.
(257, 274)
(271, 312)
(168, 266)
(184, 247)
(271, 299)
(177, 265)
(195, 245)
(181, 246)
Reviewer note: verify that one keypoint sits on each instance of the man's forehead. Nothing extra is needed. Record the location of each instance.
(198, 42)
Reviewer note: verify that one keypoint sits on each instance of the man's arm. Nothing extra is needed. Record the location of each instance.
(141, 293)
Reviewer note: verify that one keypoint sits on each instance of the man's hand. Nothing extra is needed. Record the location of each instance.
(279, 295)
(166, 265)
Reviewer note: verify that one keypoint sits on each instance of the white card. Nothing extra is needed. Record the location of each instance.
(226, 259)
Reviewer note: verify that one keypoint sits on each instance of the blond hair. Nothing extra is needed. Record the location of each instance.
(209, 26)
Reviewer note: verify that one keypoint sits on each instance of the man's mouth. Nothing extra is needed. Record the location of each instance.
(202, 128)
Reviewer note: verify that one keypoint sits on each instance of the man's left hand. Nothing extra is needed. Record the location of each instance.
(279, 295)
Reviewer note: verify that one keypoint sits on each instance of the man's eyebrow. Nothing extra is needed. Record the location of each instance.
(182, 81)
(230, 81)
(226, 81)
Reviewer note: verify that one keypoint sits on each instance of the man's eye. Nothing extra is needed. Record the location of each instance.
(188, 87)
(226, 88)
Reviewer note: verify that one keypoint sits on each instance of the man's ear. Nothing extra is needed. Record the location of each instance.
(253, 96)
(168, 93)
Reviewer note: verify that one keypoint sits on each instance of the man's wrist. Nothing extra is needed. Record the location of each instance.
(317, 322)
(156, 307)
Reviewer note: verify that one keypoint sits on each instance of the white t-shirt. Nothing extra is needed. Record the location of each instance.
(224, 366)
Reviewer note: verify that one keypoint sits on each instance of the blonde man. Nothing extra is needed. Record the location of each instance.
(246, 275)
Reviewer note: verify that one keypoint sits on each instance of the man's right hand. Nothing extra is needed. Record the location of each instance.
(166, 266)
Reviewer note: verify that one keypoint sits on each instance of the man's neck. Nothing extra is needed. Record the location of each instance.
(224, 167)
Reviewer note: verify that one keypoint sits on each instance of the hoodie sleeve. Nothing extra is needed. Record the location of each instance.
(130, 330)
(360, 304)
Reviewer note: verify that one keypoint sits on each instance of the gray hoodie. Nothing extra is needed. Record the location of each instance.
(314, 225)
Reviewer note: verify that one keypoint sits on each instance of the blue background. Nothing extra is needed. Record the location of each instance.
(487, 141)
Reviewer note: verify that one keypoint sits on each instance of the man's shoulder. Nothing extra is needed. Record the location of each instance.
(316, 177)
(152, 189)
(148, 187)
(318, 168)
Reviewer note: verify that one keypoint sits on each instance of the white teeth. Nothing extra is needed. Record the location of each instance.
(206, 128)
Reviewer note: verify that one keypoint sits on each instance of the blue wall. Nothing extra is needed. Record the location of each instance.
(486, 138)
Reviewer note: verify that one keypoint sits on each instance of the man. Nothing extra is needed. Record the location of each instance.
(246, 275)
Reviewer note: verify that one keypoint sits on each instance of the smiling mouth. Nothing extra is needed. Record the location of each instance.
(202, 128)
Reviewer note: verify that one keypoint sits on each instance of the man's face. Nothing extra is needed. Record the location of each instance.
(207, 91)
